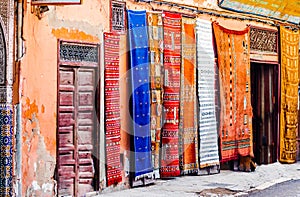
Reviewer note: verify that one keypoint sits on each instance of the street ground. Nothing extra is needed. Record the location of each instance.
(226, 183)
(286, 189)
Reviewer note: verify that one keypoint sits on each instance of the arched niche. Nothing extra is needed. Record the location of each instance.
(3, 55)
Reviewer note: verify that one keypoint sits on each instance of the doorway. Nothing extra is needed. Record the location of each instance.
(77, 125)
(264, 99)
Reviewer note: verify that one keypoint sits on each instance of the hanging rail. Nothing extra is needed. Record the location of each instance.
(276, 22)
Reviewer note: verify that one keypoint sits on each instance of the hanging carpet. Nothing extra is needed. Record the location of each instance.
(289, 43)
(188, 139)
(112, 108)
(155, 30)
(233, 49)
(172, 61)
(140, 97)
(208, 134)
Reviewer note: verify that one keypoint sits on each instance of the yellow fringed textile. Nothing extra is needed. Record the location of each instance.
(289, 41)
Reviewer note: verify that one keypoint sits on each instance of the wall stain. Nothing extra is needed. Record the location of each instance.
(29, 109)
(43, 109)
(74, 34)
(40, 166)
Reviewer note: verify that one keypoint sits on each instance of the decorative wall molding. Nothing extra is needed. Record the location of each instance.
(78, 52)
(263, 40)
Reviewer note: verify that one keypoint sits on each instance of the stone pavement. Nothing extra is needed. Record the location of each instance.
(228, 182)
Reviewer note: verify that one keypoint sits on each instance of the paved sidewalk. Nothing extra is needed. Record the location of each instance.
(241, 182)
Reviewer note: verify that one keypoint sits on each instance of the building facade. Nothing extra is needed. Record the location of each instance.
(106, 95)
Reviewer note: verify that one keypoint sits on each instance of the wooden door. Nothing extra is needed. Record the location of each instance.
(77, 129)
(264, 98)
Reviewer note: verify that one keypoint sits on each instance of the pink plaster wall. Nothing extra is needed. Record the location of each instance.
(83, 23)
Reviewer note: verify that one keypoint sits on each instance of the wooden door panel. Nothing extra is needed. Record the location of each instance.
(66, 187)
(66, 157)
(86, 101)
(77, 122)
(66, 118)
(66, 79)
(66, 99)
(85, 118)
(86, 79)
(85, 138)
(86, 124)
(66, 139)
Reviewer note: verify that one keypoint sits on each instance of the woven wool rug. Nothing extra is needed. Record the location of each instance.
(112, 108)
(208, 133)
(155, 30)
(172, 60)
(289, 42)
(233, 49)
(139, 68)
(188, 139)
(6, 147)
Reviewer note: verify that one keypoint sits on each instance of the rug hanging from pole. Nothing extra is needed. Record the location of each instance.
(112, 107)
(155, 30)
(289, 44)
(172, 61)
(188, 134)
(208, 133)
(140, 97)
(233, 48)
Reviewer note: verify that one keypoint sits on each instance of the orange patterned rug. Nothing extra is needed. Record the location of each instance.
(233, 48)
(155, 30)
(188, 139)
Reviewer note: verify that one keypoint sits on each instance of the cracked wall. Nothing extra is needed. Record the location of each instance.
(38, 83)
(38, 163)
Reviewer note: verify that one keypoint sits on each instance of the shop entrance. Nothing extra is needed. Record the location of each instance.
(264, 98)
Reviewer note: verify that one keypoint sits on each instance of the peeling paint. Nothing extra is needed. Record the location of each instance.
(40, 166)
(74, 34)
(35, 185)
(47, 187)
(76, 17)
(30, 109)
(43, 109)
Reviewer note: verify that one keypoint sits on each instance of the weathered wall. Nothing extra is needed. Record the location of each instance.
(83, 23)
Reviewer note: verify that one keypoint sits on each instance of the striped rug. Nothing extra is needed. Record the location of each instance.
(208, 136)
(112, 108)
